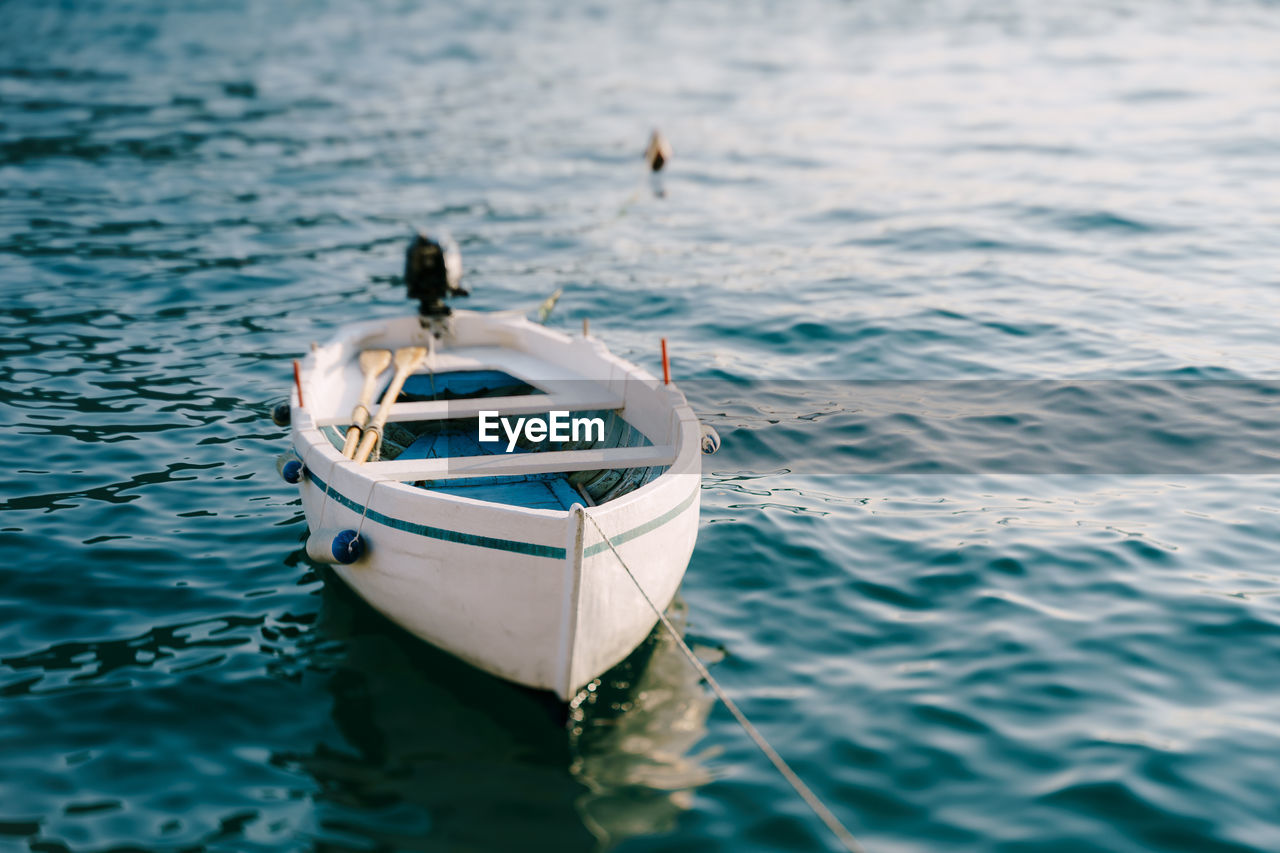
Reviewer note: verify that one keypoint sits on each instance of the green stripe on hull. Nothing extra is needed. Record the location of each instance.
(654, 524)
(511, 545)
(516, 547)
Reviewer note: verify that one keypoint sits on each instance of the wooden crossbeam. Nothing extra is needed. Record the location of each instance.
(518, 464)
(524, 404)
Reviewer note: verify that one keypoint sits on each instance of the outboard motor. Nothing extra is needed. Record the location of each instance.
(431, 273)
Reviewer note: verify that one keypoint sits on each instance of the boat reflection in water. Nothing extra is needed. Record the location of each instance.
(430, 753)
(633, 735)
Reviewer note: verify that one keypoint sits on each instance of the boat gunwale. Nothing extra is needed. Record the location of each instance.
(518, 546)
(310, 443)
(685, 460)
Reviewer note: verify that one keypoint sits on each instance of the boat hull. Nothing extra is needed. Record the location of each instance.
(535, 596)
(549, 612)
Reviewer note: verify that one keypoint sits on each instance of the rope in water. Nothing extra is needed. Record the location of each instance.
(843, 835)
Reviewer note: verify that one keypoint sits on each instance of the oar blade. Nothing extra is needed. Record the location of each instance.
(407, 360)
(374, 361)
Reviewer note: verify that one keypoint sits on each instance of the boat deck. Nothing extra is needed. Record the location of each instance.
(522, 384)
(533, 491)
(431, 437)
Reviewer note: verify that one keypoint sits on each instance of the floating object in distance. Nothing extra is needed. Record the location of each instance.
(658, 152)
(495, 556)
(280, 415)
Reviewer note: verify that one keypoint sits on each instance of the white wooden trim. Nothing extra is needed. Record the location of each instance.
(524, 404)
(517, 464)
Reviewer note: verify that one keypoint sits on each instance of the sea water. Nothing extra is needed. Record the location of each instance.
(911, 259)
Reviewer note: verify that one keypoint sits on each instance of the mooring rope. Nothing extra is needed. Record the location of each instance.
(844, 836)
(324, 501)
(367, 500)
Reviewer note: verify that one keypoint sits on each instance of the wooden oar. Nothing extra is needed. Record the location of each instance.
(372, 363)
(407, 359)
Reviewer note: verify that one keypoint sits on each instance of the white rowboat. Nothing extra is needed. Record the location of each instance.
(495, 556)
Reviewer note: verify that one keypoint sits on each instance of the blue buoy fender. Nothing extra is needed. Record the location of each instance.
(290, 467)
(330, 545)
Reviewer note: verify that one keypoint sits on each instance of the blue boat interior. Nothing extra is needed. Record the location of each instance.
(537, 491)
(461, 385)
(460, 437)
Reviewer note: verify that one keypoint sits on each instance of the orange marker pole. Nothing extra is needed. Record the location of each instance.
(297, 381)
(666, 364)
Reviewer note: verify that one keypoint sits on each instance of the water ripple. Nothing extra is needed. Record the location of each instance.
(977, 614)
